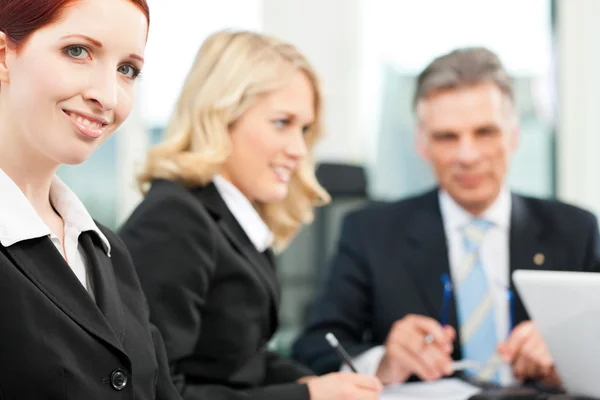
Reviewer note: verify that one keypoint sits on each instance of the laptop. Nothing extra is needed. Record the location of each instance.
(565, 307)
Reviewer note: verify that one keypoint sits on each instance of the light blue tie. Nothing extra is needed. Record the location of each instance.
(475, 306)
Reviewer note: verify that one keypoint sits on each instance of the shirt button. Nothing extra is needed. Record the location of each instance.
(118, 379)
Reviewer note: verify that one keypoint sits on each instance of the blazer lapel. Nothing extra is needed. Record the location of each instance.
(427, 259)
(526, 244)
(260, 262)
(39, 261)
(211, 199)
(104, 285)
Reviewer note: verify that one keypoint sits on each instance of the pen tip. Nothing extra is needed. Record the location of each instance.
(331, 339)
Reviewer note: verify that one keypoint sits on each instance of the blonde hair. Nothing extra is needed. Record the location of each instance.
(230, 72)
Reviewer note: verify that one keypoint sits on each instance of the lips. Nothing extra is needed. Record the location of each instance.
(88, 125)
(470, 180)
(283, 173)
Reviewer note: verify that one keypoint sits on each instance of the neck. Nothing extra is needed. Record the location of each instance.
(478, 208)
(28, 169)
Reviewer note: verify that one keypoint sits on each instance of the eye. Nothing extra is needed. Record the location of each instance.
(487, 131)
(306, 129)
(77, 51)
(129, 71)
(281, 123)
(444, 136)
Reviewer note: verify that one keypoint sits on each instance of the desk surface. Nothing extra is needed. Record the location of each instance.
(459, 389)
(525, 393)
(496, 395)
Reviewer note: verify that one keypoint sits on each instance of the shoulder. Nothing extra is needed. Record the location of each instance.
(560, 214)
(388, 212)
(166, 193)
(168, 205)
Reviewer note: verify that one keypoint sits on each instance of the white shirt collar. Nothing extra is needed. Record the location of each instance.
(244, 212)
(19, 221)
(456, 217)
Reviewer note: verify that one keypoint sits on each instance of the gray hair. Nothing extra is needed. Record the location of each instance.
(463, 67)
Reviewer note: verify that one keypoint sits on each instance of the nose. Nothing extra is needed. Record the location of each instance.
(103, 89)
(297, 146)
(467, 151)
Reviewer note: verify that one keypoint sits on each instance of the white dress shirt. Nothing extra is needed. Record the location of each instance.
(494, 251)
(245, 214)
(19, 221)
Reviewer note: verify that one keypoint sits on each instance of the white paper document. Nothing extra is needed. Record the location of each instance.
(444, 389)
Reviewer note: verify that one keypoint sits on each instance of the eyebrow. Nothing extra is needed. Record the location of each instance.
(99, 44)
(89, 39)
(135, 56)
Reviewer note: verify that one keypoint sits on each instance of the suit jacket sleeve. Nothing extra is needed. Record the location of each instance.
(272, 392)
(281, 369)
(592, 261)
(165, 388)
(344, 306)
(173, 247)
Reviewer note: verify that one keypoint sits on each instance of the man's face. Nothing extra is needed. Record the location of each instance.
(468, 135)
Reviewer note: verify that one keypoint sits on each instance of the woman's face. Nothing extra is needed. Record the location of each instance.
(71, 85)
(268, 141)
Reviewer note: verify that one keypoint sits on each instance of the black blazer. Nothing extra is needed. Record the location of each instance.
(391, 256)
(212, 295)
(57, 343)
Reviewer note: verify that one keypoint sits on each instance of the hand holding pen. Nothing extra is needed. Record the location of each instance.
(446, 299)
(407, 352)
(343, 385)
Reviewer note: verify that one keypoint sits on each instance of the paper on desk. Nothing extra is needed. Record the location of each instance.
(444, 389)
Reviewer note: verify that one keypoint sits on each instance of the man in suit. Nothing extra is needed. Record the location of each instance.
(384, 298)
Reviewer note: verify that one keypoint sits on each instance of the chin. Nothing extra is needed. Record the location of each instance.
(76, 153)
(74, 158)
(274, 196)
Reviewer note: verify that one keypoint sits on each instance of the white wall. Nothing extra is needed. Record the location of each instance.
(578, 150)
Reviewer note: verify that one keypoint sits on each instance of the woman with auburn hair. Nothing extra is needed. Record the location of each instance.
(233, 180)
(75, 324)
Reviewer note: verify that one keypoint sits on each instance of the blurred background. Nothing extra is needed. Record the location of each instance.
(368, 53)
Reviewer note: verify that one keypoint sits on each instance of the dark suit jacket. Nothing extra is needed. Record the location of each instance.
(57, 343)
(212, 295)
(391, 256)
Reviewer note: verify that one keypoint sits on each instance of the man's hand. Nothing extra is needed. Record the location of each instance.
(526, 351)
(407, 352)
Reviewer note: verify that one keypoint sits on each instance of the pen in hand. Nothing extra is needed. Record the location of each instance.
(447, 283)
(511, 306)
(447, 297)
(340, 351)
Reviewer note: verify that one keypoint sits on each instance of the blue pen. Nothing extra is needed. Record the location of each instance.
(511, 306)
(447, 283)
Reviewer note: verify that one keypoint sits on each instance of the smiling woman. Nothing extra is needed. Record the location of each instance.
(79, 99)
(75, 322)
(233, 181)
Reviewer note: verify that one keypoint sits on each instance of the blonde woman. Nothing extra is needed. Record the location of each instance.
(233, 180)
